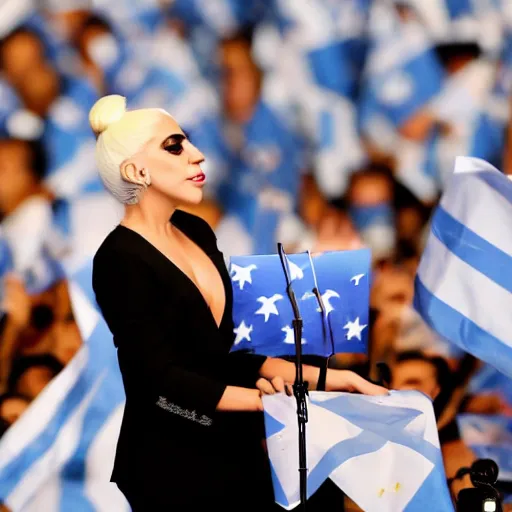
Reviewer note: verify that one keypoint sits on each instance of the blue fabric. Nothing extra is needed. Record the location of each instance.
(473, 249)
(461, 330)
(368, 426)
(259, 279)
(269, 163)
(367, 216)
(495, 443)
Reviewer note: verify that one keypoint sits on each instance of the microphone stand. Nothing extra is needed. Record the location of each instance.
(300, 388)
(321, 386)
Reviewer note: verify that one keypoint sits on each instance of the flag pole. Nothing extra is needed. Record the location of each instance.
(300, 388)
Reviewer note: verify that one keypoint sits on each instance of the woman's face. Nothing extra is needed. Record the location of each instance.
(173, 164)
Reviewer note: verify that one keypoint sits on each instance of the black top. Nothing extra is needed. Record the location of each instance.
(175, 363)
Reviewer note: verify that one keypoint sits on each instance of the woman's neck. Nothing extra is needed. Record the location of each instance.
(150, 217)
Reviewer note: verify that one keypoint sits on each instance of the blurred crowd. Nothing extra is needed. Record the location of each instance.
(326, 125)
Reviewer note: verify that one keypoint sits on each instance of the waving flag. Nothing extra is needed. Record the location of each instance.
(263, 182)
(222, 17)
(263, 315)
(70, 142)
(59, 455)
(488, 380)
(462, 21)
(27, 252)
(402, 75)
(490, 437)
(322, 49)
(463, 287)
(348, 437)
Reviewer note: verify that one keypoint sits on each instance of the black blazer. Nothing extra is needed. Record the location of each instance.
(175, 363)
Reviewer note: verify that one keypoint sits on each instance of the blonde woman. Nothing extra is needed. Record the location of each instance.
(192, 427)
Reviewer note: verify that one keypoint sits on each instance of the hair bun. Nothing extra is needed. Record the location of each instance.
(106, 110)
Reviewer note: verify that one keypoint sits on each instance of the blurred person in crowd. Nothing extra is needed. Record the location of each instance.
(16, 307)
(38, 324)
(432, 376)
(407, 256)
(174, 348)
(20, 51)
(312, 203)
(411, 218)
(52, 328)
(22, 169)
(264, 154)
(241, 79)
(31, 374)
(92, 39)
(370, 197)
(40, 89)
(66, 20)
(335, 230)
(12, 406)
(54, 108)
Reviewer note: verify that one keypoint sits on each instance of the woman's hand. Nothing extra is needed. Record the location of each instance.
(345, 380)
(276, 385)
(243, 399)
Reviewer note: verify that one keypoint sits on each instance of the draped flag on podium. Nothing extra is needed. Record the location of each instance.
(263, 315)
(383, 452)
(463, 288)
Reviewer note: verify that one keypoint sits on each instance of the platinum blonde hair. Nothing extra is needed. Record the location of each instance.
(120, 135)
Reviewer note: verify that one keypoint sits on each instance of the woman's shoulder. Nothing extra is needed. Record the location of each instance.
(119, 245)
(196, 228)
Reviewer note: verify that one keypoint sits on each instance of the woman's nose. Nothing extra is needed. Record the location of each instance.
(195, 156)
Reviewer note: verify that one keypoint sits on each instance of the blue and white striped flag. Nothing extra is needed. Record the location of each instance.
(59, 455)
(383, 452)
(263, 314)
(489, 437)
(464, 285)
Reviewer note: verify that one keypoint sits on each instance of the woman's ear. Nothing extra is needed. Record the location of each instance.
(133, 173)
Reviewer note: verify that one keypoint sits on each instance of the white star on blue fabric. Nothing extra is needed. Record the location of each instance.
(328, 294)
(354, 329)
(356, 279)
(295, 271)
(290, 336)
(243, 332)
(268, 306)
(242, 274)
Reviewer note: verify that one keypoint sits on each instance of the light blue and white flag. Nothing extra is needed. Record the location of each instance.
(59, 455)
(24, 236)
(263, 314)
(321, 53)
(222, 17)
(402, 75)
(463, 287)
(462, 21)
(489, 437)
(383, 452)
(461, 106)
(69, 141)
(487, 380)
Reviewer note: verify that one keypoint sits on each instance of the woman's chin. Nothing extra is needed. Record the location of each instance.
(191, 199)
